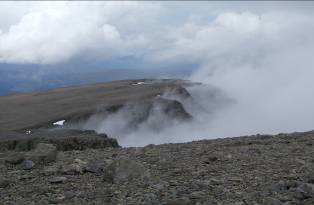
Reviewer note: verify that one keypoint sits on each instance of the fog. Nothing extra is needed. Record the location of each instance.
(125, 125)
(268, 73)
(254, 60)
(262, 68)
(266, 70)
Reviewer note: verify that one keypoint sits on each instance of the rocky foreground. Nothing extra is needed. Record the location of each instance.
(260, 169)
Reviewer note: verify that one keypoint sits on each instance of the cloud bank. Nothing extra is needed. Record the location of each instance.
(155, 32)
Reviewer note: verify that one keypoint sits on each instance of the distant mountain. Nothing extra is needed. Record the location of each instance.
(76, 103)
(30, 78)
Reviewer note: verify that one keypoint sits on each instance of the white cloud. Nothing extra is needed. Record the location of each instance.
(52, 32)
(265, 67)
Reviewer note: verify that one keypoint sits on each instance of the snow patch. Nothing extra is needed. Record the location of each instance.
(138, 83)
(59, 123)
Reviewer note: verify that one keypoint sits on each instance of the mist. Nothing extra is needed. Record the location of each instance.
(268, 74)
(256, 74)
(254, 60)
(127, 127)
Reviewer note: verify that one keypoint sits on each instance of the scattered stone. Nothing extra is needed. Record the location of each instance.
(77, 167)
(214, 181)
(95, 167)
(284, 186)
(50, 170)
(197, 195)
(56, 180)
(150, 199)
(15, 158)
(4, 183)
(305, 191)
(308, 202)
(179, 201)
(160, 185)
(26, 177)
(123, 170)
(80, 162)
(70, 194)
(71, 169)
(27, 164)
(235, 179)
(271, 201)
(43, 153)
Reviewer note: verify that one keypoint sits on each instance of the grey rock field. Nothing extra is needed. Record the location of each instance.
(244, 170)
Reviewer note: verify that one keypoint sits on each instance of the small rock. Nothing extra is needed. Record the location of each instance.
(150, 199)
(283, 186)
(123, 170)
(239, 203)
(51, 170)
(4, 183)
(57, 200)
(80, 162)
(308, 201)
(214, 181)
(304, 191)
(56, 180)
(26, 177)
(77, 167)
(69, 194)
(310, 175)
(291, 203)
(161, 185)
(15, 158)
(271, 201)
(235, 180)
(95, 167)
(43, 153)
(197, 195)
(27, 164)
(179, 201)
(209, 160)
(71, 169)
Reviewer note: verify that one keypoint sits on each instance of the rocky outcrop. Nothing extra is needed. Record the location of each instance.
(155, 114)
(42, 154)
(171, 108)
(63, 139)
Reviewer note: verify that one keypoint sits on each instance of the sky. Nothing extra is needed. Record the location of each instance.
(152, 32)
(258, 53)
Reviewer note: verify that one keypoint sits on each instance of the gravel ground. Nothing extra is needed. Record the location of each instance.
(256, 169)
